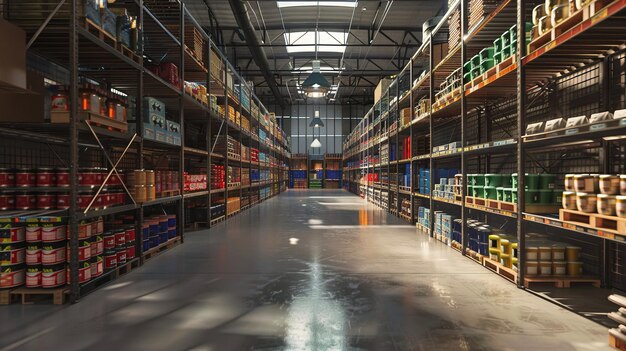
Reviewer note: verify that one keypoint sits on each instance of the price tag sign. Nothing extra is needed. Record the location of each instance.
(571, 131)
(598, 126)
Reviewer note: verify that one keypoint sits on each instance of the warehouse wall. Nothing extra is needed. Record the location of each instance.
(339, 120)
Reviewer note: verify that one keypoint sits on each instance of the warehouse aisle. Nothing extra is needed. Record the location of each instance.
(334, 274)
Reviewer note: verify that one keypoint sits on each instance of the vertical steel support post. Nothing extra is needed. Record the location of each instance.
(207, 137)
(431, 163)
(411, 113)
(464, 211)
(521, 125)
(73, 137)
(139, 128)
(181, 108)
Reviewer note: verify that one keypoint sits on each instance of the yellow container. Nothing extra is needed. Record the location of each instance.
(558, 253)
(505, 246)
(532, 253)
(494, 254)
(559, 268)
(532, 268)
(494, 242)
(575, 269)
(545, 268)
(572, 253)
(544, 253)
(505, 260)
(514, 263)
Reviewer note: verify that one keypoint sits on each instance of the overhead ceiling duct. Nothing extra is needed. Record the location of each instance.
(243, 21)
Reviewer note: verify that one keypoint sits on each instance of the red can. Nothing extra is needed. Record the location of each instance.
(84, 250)
(7, 178)
(33, 254)
(46, 201)
(120, 238)
(97, 266)
(84, 199)
(53, 275)
(12, 235)
(109, 240)
(98, 227)
(63, 201)
(121, 256)
(53, 233)
(130, 234)
(88, 177)
(63, 177)
(46, 177)
(97, 245)
(33, 234)
(130, 251)
(25, 201)
(84, 272)
(12, 276)
(25, 178)
(53, 253)
(7, 201)
(110, 260)
(33, 276)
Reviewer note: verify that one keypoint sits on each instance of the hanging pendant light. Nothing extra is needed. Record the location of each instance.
(316, 143)
(316, 86)
(316, 122)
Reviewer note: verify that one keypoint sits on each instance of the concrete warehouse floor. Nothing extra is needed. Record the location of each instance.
(308, 270)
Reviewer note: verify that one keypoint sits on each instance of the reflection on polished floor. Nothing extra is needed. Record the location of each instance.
(334, 274)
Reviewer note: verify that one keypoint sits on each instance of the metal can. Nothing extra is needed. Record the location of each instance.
(7, 200)
(25, 177)
(7, 178)
(46, 201)
(97, 266)
(63, 201)
(33, 276)
(130, 234)
(109, 240)
(33, 233)
(97, 245)
(25, 201)
(110, 259)
(121, 256)
(53, 233)
(63, 177)
(53, 275)
(120, 237)
(89, 177)
(53, 253)
(46, 177)
(33, 254)
(12, 276)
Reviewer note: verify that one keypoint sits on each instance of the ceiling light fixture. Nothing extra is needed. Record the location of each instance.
(315, 85)
(283, 4)
(316, 143)
(316, 122)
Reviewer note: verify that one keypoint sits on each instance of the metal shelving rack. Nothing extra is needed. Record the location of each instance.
(63, 39)
(490, 119)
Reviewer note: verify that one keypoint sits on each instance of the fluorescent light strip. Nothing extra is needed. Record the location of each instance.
(283, 4)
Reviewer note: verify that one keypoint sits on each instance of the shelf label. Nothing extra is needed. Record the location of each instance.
(598, 126)
(571, 131)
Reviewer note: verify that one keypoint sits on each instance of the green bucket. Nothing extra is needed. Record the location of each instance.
(557, 196)
(486, 54)
(497, 45)
(508, 195)
(497, 57)
(493, 179)
(475, 61)
(546, 181)
(491, 192)
(545, 196)
(532, 181)
(500, 192)
(478, 179)
(531, 196)
(467, 77)
(506, 180)
(486, 65)
(479, 191)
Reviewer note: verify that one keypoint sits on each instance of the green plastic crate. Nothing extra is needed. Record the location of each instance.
(497, 45)
(486, 65)
(497, 57)
(475, 61)
(486, 54)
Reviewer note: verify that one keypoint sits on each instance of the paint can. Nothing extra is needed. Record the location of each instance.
(53, 253)
(53, 275)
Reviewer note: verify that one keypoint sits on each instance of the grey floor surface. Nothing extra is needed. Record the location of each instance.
(307, 270)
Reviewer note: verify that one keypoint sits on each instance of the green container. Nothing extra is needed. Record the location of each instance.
(467, 77)
(470, 190)
(545, 196)
(479, 191)
(508, 195)
(506, 180)
(513, 195)
(532, 181)
(476, 72)
(486, 54)
(557, 196)
(506, 39)
(497, 57)
(478, 179)
(500, 193)
(486, 65)
(493, 179)
(467, 67)
(475, 61)
(547, 181)
(531, 196)
(506, 52)
(491, 192)
(497, 45)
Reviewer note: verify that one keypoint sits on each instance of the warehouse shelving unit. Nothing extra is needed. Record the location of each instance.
(332, 165)
(579, 71)
(78, 49)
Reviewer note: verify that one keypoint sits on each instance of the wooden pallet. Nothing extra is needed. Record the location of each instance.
(562, 281)
(505, 272)
(95, 120)
(234, 156)
(128, 52)
(615, 342)
(5, 296)
(29, 296)
(217, 220)
(233, 185)
(594, 220)
(96, 30)
(127, 268)
(577, 17)
(168, 193)
(161, 248)
(232, 214)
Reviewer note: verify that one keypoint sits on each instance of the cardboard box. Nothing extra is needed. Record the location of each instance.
(12, 55)
(381, 88)
(27, 106)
